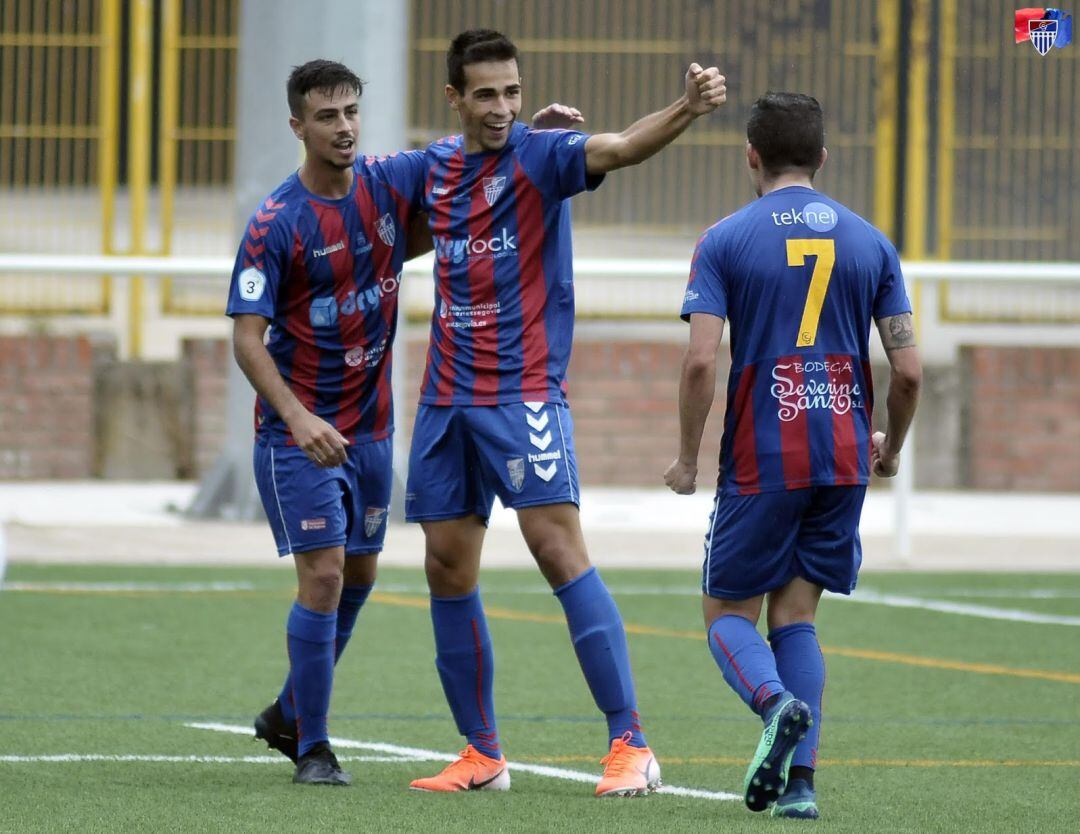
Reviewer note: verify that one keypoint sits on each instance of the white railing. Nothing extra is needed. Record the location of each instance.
(176, 265)
(615, 287)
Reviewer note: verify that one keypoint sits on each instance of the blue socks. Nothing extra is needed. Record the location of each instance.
(311, 661)
(802, 668)
(466, 665)
(600, 642)
(353, 598)
(746, 661)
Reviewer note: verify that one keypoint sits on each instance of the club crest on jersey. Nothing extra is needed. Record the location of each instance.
(386, 230)
(373, 520)
(493, 187)
(515, 467)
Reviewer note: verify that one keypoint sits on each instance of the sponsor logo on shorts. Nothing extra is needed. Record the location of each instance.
(516, 469)
(373, 520)
(309, 524)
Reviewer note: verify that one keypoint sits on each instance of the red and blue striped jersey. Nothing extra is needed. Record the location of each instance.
(799, 278)
(326, 274)
(503, 319)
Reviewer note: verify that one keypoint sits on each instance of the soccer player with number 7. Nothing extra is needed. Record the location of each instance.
(800, 277)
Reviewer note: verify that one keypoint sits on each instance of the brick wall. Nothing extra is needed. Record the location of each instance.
(46, 407)
(1021, 418)
(206, 364)
(624, 401)
(1012, 423)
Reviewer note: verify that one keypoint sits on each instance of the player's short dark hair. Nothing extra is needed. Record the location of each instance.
(788, 131)
(473, 47)
(324, 76)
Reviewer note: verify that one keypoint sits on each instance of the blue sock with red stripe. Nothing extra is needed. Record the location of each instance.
(744, 657)
(311, 661)
(600, 642)
(353, 598)
(802, 669)
(466, 665)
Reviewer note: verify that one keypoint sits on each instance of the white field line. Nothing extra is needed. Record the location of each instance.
(866, 595)
(999, 593)
(133, 757)
(964, 609)
(126, 587)
(421, 754)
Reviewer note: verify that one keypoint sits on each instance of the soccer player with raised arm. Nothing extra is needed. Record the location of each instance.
(320, 266)
(801, 278)
(493, 417)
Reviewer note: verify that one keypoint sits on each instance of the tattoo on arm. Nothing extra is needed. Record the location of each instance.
(898, 332)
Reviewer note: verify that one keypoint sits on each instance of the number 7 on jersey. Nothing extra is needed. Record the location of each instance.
(824, 250)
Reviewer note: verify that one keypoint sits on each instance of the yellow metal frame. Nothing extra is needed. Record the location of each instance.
(108, 119)
(172, 132)
(167, 134)
(886, 99)
(917, 146)
(105, 40)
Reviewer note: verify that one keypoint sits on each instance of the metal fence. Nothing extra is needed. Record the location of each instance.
(940, 129)
(617, 61)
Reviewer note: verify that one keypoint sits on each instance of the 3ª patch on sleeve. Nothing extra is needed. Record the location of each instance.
(252, 284)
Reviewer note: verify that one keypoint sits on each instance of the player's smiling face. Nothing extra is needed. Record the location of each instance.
(330, 128)
(489, 105)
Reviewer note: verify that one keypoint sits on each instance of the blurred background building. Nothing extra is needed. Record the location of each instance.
(118, 135)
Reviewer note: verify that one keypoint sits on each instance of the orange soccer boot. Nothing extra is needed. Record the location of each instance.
(472, 772)
(628, 771)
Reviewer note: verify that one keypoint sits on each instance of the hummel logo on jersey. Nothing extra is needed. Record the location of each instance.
(386, 229)
(439, 191)
(493, 187)
(328, 250)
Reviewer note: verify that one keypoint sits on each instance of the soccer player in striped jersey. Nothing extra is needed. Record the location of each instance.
(320, 266)
(801, 278)
(493, 417)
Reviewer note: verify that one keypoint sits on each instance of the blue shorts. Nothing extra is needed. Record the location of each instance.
(310, 507)
(463, 456)
(759, 543)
